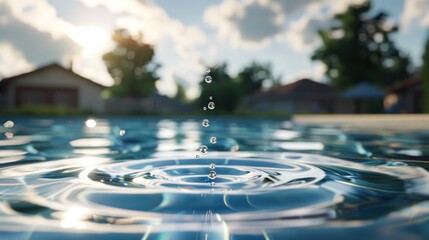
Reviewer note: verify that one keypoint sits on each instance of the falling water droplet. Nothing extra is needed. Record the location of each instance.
(203, 149)
(212, 175)
(211, 97)
(205, 123)
(208, 70)
(208, 79)
(204, 108)
(212, 166)
(234, 148)
(122, 132)
(213, 140)
(9, 135)
(8, 124)
(211, 105)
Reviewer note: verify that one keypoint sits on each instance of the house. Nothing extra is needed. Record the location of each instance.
(302, 96)
(405, 96)
(51, 85)
(366, 98)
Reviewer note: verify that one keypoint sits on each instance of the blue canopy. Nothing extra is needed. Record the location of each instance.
(364, 90)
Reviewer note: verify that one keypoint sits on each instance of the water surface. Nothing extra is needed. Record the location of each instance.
(139, 178)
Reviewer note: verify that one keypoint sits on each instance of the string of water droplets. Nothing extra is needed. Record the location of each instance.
(9, 124)
(206, 123)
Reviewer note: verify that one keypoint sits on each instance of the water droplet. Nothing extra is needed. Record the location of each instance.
(203, 149)
(211, 97)
(212, 166)
(122, 132)
(208, 79)
(8, 124)
(8, 135)
(212, 175)
(91, 123)
(234, 148)
(197, 156)
(211, 105)
(213, 140)
(205, 123)
(208, 70)
(204, 108)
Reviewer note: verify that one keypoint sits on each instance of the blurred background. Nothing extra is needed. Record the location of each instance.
(247, 56)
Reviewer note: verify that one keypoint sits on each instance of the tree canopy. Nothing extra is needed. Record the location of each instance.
(360, 48)
(130, 65)
(254, 76)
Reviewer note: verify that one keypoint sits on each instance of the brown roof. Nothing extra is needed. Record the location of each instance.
(404, 85)
(5, 81)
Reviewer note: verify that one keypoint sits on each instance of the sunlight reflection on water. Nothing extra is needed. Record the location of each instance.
(282, 180)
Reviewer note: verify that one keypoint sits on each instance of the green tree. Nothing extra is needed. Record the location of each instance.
(223, 89)
(181, 93)
(425, 77)
(131, 67)
(253, 77)
(360, 48)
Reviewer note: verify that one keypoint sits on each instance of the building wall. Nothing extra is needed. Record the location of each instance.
(89, 95)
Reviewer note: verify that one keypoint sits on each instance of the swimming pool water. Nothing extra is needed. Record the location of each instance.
(140, 178)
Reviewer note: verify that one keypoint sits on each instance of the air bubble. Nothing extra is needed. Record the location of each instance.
(211, 97)
(208, 79)
(212, 175)
(208, 70)
(204, 108)
(203, 149)
(211, 105)
(212, 166)
(197, 156)
(213, 140)
(205, 123)
(9, 135)
(122, 132)
(234, 148)
(8, 124)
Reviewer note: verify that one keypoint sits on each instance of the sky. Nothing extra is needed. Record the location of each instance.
(188, 35)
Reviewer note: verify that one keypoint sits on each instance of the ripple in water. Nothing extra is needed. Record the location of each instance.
(134, 194)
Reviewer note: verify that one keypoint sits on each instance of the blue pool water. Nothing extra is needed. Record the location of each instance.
(144, 178)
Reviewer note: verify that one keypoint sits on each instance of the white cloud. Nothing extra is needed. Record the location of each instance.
(158, 28)
(35, 46)
(8, 67)
(415, 12)
(55, 39)
(248, 23)
(302, 34)
(315, 72)
(254, 23)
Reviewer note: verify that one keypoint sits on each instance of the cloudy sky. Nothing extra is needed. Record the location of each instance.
(187, 34)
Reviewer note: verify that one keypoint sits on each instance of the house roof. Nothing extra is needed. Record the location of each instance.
(5, 81)
(302, 88)
(404, 85)
(364, 90)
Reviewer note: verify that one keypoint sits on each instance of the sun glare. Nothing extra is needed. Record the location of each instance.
(91, 38)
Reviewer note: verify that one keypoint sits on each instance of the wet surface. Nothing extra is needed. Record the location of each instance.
(138, 178)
